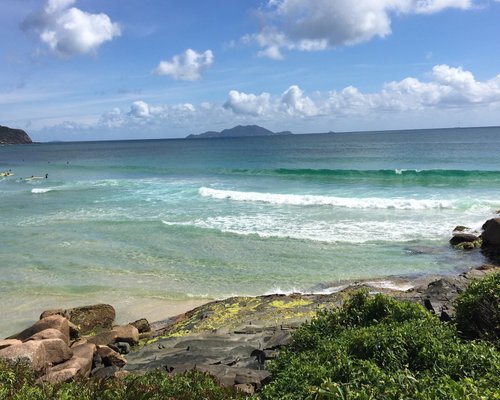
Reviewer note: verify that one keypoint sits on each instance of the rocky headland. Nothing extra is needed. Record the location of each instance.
(231, 339)
(13, 136)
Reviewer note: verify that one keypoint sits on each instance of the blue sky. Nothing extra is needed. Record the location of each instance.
(103, 69)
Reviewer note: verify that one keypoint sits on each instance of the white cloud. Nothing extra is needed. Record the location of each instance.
(248, 104)
(312, 25)
(139, 109)
(294, 102)
(68, 30)
(449, 87)
(451, 94)
(187, 66)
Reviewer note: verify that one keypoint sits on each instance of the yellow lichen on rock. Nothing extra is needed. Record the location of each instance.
(290, 304)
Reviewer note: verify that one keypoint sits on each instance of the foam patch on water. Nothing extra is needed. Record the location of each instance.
(41, 190)
(334, 201)
(346, 231)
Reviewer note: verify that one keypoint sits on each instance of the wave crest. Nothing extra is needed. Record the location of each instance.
(333, 201)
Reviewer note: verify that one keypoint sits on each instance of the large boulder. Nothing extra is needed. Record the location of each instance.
(491, 236)
(87, 318)
(142, 325)
(33, 353)
(9, 342)
(126, 333)
(110, 357)
(78, 366)
(56, 351)
(50, 333)
(56, 322)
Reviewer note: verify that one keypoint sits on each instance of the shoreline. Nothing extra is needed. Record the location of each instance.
(160, 311)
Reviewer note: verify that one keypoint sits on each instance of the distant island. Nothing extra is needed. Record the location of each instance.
(239, 131)
(13, 136)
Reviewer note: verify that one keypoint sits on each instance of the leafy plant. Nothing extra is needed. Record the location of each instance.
(17, 382)
(478, 310)
(375, 347)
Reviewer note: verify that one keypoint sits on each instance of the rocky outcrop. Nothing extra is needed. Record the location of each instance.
(13, 136)
(491, 238)
(46, 347)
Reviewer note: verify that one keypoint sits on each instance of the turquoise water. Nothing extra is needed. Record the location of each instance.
(134, 223)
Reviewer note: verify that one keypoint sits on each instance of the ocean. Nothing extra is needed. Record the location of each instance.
(153, 225)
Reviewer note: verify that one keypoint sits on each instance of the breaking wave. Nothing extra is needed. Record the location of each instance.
(333, 201)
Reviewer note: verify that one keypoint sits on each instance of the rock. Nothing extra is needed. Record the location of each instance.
(491, 236)
(462, 237)
(49, 313)
(9, 342)
(57, 377)
(87, 318)
(50, 333)
(126, 333)
(252, 377)
(32, 352)
(56, 351)
(439, 295)
(279, 339)
(142, 325)
(122, 347)
(461, 228)
(110, 357)
(75, 367)
(50, 322)
(79, 342)
(86, 350)
(105, 372)
(78, 366)
(103, 338)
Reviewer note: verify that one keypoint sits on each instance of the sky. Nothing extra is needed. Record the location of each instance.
(143, 69)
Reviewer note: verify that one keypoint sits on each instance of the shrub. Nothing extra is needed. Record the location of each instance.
(478, 310)
(381, 348)
(17, 382)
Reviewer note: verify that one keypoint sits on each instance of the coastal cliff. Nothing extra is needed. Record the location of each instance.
(13, 136)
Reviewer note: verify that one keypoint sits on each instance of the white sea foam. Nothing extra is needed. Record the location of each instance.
(345, 231)
(41, 190)
(334, 201)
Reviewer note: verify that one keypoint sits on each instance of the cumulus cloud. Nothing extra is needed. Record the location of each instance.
(452, 92)
(448, 87)
(294, 102)
(68, 30)
(139, 109)
(312, 25)
(187, 66)
(248, 104)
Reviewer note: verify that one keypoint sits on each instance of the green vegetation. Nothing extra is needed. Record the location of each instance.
(381, 348)
(18, 383)
(478, 310)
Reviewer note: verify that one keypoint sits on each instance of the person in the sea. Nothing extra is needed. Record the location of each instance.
(46, 176)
